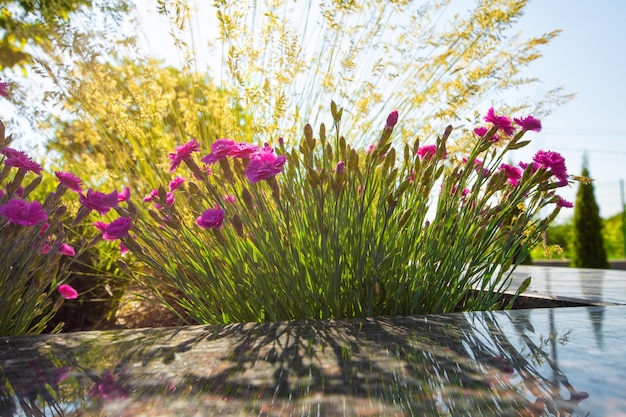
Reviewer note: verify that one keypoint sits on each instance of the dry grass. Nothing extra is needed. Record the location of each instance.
(136, 312)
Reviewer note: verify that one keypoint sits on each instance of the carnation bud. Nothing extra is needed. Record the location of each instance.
(392, 119)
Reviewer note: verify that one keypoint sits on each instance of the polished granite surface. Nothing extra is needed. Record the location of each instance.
(561, 361)
(591, 286)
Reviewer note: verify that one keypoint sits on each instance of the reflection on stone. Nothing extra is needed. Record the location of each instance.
(589, 286)
(484, 363)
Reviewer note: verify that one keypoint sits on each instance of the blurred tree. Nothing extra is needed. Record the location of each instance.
(562, 235)
(126, 118)
(588, 244)
(613, 237)
(25, 22)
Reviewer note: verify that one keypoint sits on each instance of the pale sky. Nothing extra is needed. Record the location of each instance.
(587, 59)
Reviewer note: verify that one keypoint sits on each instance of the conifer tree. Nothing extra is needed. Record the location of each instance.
(588, 245)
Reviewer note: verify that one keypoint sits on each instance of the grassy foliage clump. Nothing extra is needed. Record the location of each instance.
(406, 227)
(341, 232)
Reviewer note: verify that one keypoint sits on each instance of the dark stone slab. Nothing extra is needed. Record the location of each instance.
(564, 361)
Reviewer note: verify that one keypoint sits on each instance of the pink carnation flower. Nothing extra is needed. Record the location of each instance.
(230, 198)
(169, 200)
(154, 194)
(529, 123)
(67, 250)
(69, 180)
(176, 183)
(45, 249)
(561, 202)
(23, 213)
(101, 226)
(117, 229)
(552, 161)
(98, 201)
(503, 123)
(264, 164)
(513, 173)
(427, 152)
(220, 149)
(124, 195)
(20, 160)
(243, 150)
(44, 229)
(182, 153)
(482, 131)
(67, 292)
(211, 218)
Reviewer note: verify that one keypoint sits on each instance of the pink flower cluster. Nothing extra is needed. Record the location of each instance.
(103, 203)
(427, 152)
(548, 160)
(64, 249)
(504, 125)
(262, 164)
(552, 161)
(513, 173)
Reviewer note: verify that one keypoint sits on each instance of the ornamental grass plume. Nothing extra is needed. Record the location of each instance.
(325, 230)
